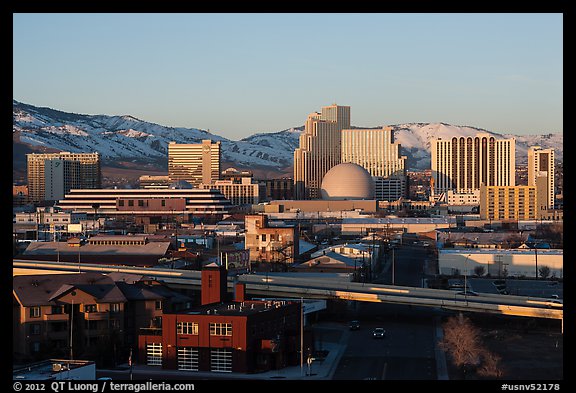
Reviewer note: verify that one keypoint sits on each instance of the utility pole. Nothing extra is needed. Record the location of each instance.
(301, 336)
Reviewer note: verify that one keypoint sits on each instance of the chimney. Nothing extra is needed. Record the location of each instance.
(214, 284)
(240, 292)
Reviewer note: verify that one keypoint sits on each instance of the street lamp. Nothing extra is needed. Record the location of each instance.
(465, 275)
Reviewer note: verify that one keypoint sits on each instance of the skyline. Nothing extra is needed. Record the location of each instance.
(236, 74)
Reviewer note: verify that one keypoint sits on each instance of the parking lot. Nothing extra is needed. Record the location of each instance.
(532, 288)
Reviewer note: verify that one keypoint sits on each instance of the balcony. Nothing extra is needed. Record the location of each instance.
(96, 316)
(150, 331)
(55, 317)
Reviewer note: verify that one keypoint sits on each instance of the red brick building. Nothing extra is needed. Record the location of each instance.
(225, 336)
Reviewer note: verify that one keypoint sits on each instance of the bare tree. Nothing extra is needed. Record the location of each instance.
(490, 366)
(544, 271)
(462, 341)
(479, 271)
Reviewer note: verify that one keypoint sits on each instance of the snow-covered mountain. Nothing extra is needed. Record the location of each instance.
(415, 140)
(129, 138)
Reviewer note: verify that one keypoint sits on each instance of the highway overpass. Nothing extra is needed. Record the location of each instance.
(303, 287)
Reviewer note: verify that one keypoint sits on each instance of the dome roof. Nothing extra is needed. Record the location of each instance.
(347, 181)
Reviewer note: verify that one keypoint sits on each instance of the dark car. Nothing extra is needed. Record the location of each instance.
(467, 293)
(379, 332)
(354, 325)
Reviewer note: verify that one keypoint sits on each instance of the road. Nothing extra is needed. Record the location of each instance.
(407, 352)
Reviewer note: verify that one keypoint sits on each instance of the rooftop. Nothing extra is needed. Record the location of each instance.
(248, 307)
(49, 369)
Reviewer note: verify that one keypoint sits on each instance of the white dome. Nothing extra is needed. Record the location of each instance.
(347, 181)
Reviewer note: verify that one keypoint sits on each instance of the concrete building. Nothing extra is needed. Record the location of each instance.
(268, 243)
(333, 206)
(376, 151)
(225, 336)
(281, 188)
(319, 149)
(131, 250)
(364, 226)
(49, 223)
(541, 164)
(239, 192)
(514, 202)
(147, 202)
(464, 163)
(499, 263)
(463, 198)
(148, 181)
(51, 175)
(56, 370)
(195, 162)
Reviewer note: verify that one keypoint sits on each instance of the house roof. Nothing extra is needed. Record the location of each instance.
(38, 289)
(332, 260)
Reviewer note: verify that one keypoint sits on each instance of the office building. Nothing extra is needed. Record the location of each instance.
(514, 202)
(51, 175)
(462, 163)
(279, 188)
(319, 149)
(243, 192)
(149, 181)
(376, 151)
(541, 163)
(195, 163)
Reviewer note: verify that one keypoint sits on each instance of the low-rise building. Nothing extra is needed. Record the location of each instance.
(79, 314)
(225, 336)
(270, 243)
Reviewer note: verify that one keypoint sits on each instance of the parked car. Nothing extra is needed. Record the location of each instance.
(378, 332)
(467, 293)
(354, 325)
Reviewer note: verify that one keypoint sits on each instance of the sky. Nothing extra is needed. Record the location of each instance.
(240, 74)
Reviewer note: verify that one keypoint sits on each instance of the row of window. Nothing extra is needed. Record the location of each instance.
(216, 329)
(36, 312)
(188, 358)
(272, 237)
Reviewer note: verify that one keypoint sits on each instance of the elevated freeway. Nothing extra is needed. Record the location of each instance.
(259, 284)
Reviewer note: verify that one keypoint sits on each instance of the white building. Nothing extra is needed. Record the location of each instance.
(516, 262)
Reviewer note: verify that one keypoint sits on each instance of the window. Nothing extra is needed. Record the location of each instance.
(140, 203)
(90, 308)
(154, 354)
(188, 359)
(115, 307)
(130, 202)
(272, 237)
(35, 346)
(263, 237)
(57, 310)
(221, 360)
(35, 312)
(158, 305)
(163, 202)
(114, 323)
(34, 329)
(220, 329)
(187, 328)
(121, 203)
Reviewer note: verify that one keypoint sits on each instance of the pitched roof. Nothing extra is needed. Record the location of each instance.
(38, 289)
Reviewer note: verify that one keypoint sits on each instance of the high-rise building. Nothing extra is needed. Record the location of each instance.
(376, 151)
(463, 164)
(195, 163)
(319, 150)
(541, 164)
(52, 175)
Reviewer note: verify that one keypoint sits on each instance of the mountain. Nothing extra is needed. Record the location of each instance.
(126, 140)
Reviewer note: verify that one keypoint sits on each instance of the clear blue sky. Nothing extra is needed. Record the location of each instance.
(238, 74)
